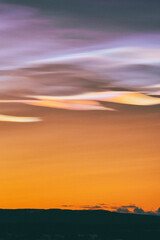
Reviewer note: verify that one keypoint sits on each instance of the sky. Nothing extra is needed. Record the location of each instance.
(79, 104)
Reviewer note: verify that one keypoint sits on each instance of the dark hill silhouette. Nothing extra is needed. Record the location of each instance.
(76, 224)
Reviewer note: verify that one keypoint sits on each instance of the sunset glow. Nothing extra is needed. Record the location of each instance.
(79, 106)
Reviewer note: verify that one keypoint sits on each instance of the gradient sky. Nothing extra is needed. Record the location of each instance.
(79, 104)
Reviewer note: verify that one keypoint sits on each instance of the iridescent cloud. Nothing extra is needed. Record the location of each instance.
(87, 101)
(75, 68)
(6, 118)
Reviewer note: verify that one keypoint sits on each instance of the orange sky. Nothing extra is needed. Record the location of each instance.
(81, 158)
(79, 105)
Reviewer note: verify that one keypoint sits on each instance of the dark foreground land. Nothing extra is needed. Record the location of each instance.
(30, 224)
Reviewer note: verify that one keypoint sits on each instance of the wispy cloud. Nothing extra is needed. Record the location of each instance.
(87, 101)
(49, 60)
(125, 97)
(6, 118)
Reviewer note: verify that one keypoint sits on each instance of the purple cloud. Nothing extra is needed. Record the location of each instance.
(48, 56)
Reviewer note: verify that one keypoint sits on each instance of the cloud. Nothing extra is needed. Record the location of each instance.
(131, 16)
(158, 211)
(70, 105)
(91, 100)
(67, 206)
(86, 101)
(41, 57)
(123, 210)
(133, 209)
(127, 67)
(51, 63)
(92, 207)
(129, 206)
(7, 118)
(88, 71)
(138, 210)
